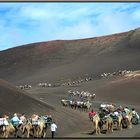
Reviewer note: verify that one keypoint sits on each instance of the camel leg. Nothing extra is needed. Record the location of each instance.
(6, 134)
(130, 124)
(120, 125)
(112, 127)
(96, 127)
(40, 132)
(99, 132)
(107, 127)
(28, 133)
(44, 135)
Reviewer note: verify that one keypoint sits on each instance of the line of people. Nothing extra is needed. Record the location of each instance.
(80, 105)
(109, 114)
(35, 124)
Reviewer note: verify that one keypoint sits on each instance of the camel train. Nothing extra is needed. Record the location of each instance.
(81, 95)
(118, 73)
(109, 118)
(78, 100)
(80, 105)
(35, 127)
(23, 87)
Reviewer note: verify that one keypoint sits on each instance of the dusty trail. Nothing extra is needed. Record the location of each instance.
(73, 123)
(68, 60)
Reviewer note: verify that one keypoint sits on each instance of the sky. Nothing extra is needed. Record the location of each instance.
(24, 23)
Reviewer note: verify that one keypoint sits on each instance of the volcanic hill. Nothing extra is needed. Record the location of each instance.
(67, 59)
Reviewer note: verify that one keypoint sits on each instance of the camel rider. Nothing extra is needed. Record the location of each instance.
(116, 113)
(4, 122)
(45, 117)
(49, 119)
(121, 109)
(135, 113)
(1, 121)
(15, 120)
(22, 119)
(35, 119)
(103, 105)
(91, 114)
(126, 109)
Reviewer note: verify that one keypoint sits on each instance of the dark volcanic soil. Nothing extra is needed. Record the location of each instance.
(74, 123)
(61, 60)
(14, 100)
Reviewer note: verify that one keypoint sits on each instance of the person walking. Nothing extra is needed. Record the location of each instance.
(53, 128)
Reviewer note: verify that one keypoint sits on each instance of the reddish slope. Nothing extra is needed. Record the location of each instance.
(56, 59)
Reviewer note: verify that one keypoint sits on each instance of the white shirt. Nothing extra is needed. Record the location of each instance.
(53, 127)
(135, 113)
(1, 121)
(116, 113)
(103, 105)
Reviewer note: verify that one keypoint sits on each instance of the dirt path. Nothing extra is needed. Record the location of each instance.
(73, 123)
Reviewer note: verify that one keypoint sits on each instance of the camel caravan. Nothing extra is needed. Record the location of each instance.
(82, 95)
(44, 84)
(23, 87)
(80, 105)
(19, 126)
(68, 82)
(78, 100)
(78, 81)
(110, 117)
(118, 73)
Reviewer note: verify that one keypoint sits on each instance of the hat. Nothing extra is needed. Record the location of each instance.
(15, 114)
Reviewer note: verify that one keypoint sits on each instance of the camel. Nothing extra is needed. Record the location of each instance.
(96, 120)
(8, 130)
(27, 128)
(87, 105)
(130, 116)
(119, 120)
(36, 128)
(64, 102)
(109, 124)
(41, 128)
(127, 119)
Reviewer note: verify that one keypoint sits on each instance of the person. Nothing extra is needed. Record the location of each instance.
(49, 120)
(116, 113)
(135, 113)
(34, 119)
(91, 114)
(126, 109)
(45, 117)
(53, 128)
(22, 119)
(15, 120)
(1, 122)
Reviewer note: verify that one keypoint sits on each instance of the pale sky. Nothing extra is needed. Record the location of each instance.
(24, 23)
